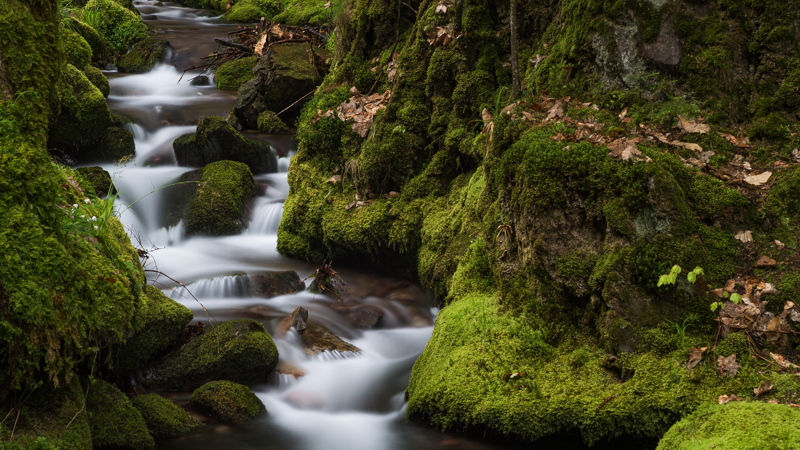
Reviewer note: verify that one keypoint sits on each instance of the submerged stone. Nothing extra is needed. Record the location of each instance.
(227, 402)
(273, 284)
(216, 140)
(164, 419)
(115, 423)
(234, 350)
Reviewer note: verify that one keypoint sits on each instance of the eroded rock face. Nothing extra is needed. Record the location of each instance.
(235, 350)
(215, 140)
(666, 49)
(283, 75)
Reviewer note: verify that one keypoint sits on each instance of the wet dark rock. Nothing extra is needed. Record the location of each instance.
(227, 402)
(216, 140)
(150, 17)
(200, 80)
(283, 75)
(273, 284)
(298, 320)
(236, 350)
(143, 56)
(317, 339)
(363, 318)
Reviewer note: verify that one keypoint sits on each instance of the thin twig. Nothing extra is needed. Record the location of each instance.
(285, 109)
(409, 7)
(15, 425)
(6, 417)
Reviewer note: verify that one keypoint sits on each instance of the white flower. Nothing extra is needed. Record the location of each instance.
(75, 205)
(94, 219)
(96, 227)
(86, 200)
(83, 217)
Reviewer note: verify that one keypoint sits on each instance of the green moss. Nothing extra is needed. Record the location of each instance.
(227, 402)
(96, 77)
(159, 325)
(119, 27)
(83, 116)
(98, 180)
(735, 425)
(115, 145)
(218, 207)
(232, 75)
(618, 217)
(711, 198)
(115, 423)
(164, 419)
(143, 56)
(234, 350)
(269, 122)
(252, 11)
(76, 49)
(312, 12)
(92, 38)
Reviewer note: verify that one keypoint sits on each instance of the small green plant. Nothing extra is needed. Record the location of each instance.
(672, 277)
(681, 330)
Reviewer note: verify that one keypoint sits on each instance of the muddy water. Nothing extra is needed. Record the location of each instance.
(334, 400)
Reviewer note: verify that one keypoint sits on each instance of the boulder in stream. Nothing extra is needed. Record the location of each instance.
(164, 419)
(317, 339)
(143, 56)
(234, 350)
(227, 402)
(233, 74)
(215, 140)
(115, 423)
(82, 117)
(282, 76)
(99, 80)
(268, 285)
(220, 202)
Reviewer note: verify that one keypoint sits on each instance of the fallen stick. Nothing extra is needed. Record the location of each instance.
(241, 47)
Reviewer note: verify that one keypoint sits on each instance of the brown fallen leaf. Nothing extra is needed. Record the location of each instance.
(774, 402)
(723, 399)
(555, 112)
(334, 179)
(259, 50)
(764, 387)
(624, 149)
(744, 236)
(765, 261)
(691, 126)
(623, 113)
(758, 180)
(687, 145)
(361, 109)
(782, 362)
(695, 357)
(727, 366)
(392, 194)
(350, 205)
(535, 60)
(739, 141)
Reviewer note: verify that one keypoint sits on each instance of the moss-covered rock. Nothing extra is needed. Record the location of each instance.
(83, 116)
(269, 122)
(219, 205)
(96, 77)
(99, 181)
(735, 425)
(234, 350)
(233, 74)
(143, 56)
(282, 76)
(120, 27)
(215, 140)
(312, 12)
(92, 37)
(252, 10)
(115, 423)
(161, 323)
(76, 49)
(115, 145)
(227, 402)
(164, 419)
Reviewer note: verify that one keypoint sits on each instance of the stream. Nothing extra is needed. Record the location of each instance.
(343, 400)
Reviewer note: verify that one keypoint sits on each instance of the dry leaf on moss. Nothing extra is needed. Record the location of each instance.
(695, 357)
(727, 366)
(723, 399)
(624, 149)
(361, 109)
(691, 126)
(782, 362)
(758, 180)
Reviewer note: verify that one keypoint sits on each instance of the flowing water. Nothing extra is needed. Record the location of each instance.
(342, 400)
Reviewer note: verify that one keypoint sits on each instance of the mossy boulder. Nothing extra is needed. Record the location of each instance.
(92, 38)
(76, 49)
(143, 56)
(44, 419)
(164, 419)
(252, 10)
(115, 423)
(120, 27)
(83, 116)
(282, 76)
(735, 425)
(270, 123)
(161, 323)
(233, 74)
(215, 140)
(96, 77)
(220, 202)
(227, 402)
(234, 350)
(99, 181)
(115, 144)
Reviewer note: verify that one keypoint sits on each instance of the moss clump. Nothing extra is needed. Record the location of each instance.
(164, 419)
(92, 37)
(83, 116)
(160, 324)
(115, 145)
(98, 180)
(115, 423)
(76, 49)
(143, 56)
(312, 12)
(96, 77)
(120, 27)
(269, 122)
(218, 206)
(735, 425)
(246, 355)
(232, 75)
(227, 402)
(252, 11)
